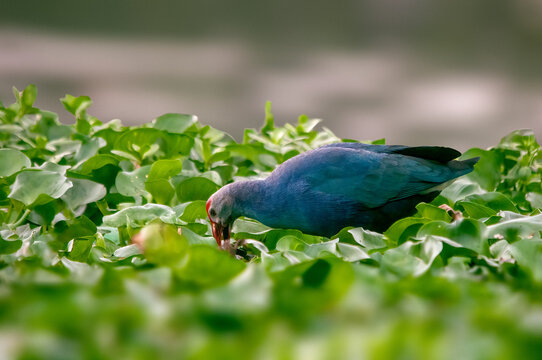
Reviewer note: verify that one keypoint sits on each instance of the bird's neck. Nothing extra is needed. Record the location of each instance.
(251, 198)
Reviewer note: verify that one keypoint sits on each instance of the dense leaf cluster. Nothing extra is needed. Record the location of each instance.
(106, 252)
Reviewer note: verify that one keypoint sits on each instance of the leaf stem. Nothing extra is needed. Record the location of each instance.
(22, 218)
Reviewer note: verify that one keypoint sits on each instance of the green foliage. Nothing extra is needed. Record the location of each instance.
(106, 250)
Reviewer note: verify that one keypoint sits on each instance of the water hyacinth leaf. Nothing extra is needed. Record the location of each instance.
(351, 253)
(403, 229)
(138, 142)
(175, 123)
(49, 126)
(137, 216)
(535, 199)
(493, 200)
(162, 244)
(51, 166)
(157, 183)
(432, 212)
(132, 183)
(208, 267)
(88, 149)
(290, 242)
(528, 254)
(460, 189)
(523, 139)
(83, 192)
(475, 209)
(28, 96)
(316, 285)
(469, 233)
(194, 210)
(72, 229)
(411, 259)
(81, 248)
(161, 190)
(9, 246)
(196, 188)
(35, 187)
(12, 161)
(165, 169)
(250, 229)
(486, 172)
(76, 105)
(194, 238)
(368, 239)
(98, 161)
(518, 227)
(45, 214)
(127, 251)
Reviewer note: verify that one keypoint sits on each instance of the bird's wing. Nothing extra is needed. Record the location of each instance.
(435, 153)
(369, 178)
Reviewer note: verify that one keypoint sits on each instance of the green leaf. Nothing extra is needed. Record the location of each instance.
(269, 119)
(140, 143)
(157, 183)
(403, 229)
(487, 171)
(73, 229)
(194, 210)
(475, 209)
(12, 161)
(9, 247)
(175, 123)
(515, 228)
(523, 139)
(196, 188)
(35, 187)
(97, 162)
(162, 244)
(29, 96)
(315, 285)
(366, 238)
(83, 192)
(132, 183)
(137, 216)
(411, 258)
(196, 239)
(460, 189)
(469, 233)
(207, 267)
(244, 228)
(493, 200)
(81, 248)
(432, 212)
(535, 199)
(76, 105)
(528, 254)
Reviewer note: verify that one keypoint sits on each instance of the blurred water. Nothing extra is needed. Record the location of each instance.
(386, 89)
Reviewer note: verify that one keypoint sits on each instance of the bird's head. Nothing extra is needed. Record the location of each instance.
(220, 212)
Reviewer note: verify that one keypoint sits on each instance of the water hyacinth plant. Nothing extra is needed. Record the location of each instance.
(106, 251)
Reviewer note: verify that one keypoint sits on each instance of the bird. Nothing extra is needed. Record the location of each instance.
(324, 190)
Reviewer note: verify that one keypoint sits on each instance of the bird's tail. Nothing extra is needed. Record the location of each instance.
(460, 168)
(463, 166)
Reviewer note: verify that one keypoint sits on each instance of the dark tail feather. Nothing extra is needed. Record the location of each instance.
(463, 166)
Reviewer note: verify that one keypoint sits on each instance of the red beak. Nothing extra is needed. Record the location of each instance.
(220, 232)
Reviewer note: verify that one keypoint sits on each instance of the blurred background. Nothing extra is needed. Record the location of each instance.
(461, 73)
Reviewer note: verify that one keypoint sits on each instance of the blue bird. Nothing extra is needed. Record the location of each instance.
(347, 184)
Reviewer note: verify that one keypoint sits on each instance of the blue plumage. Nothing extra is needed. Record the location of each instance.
(347, 184)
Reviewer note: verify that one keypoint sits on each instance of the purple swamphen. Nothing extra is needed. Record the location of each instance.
(347, 184)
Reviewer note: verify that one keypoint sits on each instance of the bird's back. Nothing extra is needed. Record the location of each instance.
(351, 184)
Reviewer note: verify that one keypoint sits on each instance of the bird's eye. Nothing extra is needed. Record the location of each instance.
(212, 212)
